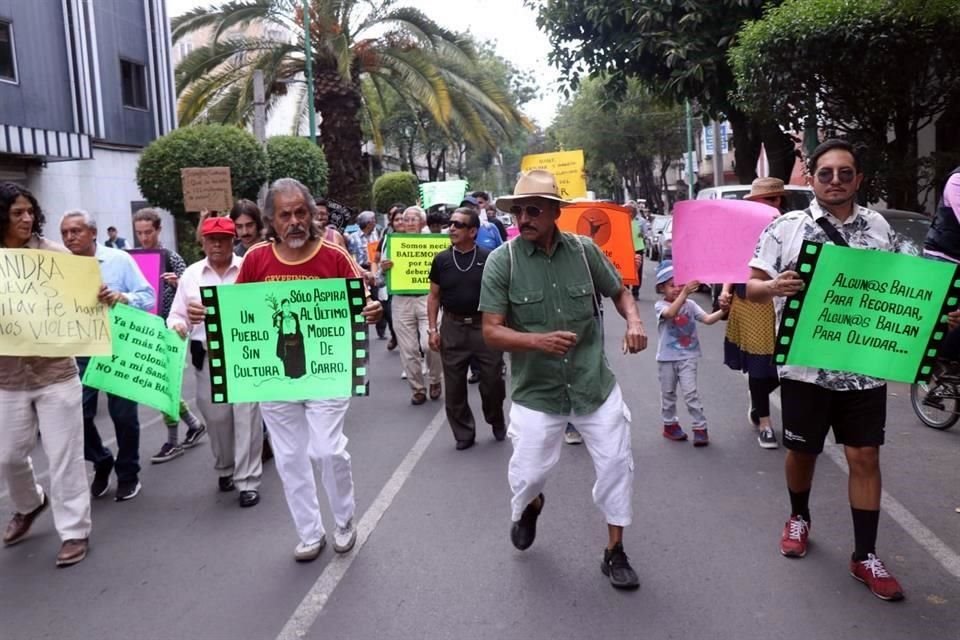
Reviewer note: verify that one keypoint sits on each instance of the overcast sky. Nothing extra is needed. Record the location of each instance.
(506, 22)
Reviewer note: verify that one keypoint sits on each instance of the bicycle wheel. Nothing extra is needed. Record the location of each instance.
(933, 416)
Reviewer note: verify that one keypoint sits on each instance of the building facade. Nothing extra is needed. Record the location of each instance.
(84, 86)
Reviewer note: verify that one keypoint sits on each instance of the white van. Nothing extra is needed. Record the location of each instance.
(798, 197)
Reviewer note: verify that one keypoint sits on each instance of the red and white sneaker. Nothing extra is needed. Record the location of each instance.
(793, 540)
(673, 432)
(874, 574)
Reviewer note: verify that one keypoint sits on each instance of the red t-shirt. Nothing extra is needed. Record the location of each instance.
(262, 264)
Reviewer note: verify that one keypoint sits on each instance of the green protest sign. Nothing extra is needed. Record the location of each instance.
(412, 255)
(287, 340)
(448, 192)
(147, 361)
(869, 312)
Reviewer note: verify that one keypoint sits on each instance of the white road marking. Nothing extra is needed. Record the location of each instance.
(298, 625)
(923, 536)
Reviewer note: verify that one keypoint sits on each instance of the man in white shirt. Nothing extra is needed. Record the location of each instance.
(236, 436)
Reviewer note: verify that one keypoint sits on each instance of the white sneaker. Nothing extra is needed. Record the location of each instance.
(403, 374)
(344, 537)
(309, 552)
(572, 436)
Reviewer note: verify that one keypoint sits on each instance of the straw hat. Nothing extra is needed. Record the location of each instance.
(536, 183)
(765, 188)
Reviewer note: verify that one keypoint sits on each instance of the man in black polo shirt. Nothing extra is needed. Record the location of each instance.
(455, 278)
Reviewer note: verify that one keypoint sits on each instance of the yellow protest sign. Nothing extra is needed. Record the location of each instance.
(412, 256)
(49, 307)
(566, 166)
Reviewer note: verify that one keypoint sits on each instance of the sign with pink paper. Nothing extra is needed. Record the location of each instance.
(714, 240)
(512, 232)
(150, 262)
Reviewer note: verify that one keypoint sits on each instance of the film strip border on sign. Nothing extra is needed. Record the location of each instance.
(215, 359)
(356, 295)
(806, 263)
(939, 329)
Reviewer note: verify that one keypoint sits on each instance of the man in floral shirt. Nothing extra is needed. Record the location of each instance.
(816, 400)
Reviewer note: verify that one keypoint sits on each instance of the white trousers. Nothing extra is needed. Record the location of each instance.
(410, 327)
(538, 437)
(235, 432)
(303, 433)
(57, 411)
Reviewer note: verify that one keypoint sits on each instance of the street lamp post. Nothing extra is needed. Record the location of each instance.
(308, 52)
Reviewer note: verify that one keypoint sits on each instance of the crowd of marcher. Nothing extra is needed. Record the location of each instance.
(536, 297)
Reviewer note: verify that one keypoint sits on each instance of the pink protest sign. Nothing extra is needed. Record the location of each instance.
(714, 240)
(150, 262)
(512, 232)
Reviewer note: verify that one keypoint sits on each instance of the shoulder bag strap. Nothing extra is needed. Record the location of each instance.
(830, 230)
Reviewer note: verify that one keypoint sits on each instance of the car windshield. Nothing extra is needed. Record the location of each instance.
(660, 223)
(914, 229)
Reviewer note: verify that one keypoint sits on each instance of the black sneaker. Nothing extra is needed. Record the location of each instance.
(167, 453)
(226, 483)
(101, 479)
(128, 490)
(524, 530)
(617, 567)
(193, 436)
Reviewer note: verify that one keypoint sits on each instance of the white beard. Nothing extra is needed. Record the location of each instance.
(295, 243)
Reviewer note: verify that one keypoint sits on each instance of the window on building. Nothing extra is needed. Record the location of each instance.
(133, 79)
(185, 49)
(8, 56)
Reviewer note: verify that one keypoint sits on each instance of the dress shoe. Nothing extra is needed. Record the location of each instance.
(436, 389)
(72, 552)
(225, 483)
(524, 530)
(499, 432)
(464, 444)
(20, 523)
(249, 498)
(418, 398)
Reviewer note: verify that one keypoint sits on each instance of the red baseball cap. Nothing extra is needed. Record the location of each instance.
(220, 225)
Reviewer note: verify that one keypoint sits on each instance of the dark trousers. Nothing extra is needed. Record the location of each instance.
(388, 314)
(760, 390)
(126, 424)
(461, 343)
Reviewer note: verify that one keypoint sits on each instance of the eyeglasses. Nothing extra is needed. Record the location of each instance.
(844, 175)
(456, 224)
(530, 210)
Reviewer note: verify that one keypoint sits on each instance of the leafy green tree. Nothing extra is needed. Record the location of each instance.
(362, 49)
(676, 47)
(875, 70)
(393, 187)
(295, 157)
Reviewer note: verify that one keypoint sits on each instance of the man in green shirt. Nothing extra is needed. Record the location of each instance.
(538, 302)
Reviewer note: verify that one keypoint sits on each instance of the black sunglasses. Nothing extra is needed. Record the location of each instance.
(456, 224)
(530, 210)
(845, 175)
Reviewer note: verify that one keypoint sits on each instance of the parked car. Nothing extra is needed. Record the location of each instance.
(910, 225)
(657, 223)
(665, 241)
(798, 196)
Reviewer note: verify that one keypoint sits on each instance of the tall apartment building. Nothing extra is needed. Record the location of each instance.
(85, 85)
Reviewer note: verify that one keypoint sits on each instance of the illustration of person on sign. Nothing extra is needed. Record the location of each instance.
(289, 341)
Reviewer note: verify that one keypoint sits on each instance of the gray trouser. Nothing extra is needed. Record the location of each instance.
(684, 373)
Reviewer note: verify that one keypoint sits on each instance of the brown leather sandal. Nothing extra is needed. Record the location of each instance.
(419, 397)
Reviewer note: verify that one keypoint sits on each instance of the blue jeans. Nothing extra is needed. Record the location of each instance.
(126, 424)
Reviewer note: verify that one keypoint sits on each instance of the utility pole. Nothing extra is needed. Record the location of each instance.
(259, 109)
(689, 152)
(308, 52)
(717, 155)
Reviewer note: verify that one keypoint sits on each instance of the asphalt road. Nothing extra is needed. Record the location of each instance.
(435, 559)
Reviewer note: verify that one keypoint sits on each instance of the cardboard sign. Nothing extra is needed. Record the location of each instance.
(874, 313)
(286, 341)
(207, 188)
(714, 240)
(49, 306)
(566, 166)
(450, 192)
(150, 262)
(608, 225)
(147, 361)
(412, 256)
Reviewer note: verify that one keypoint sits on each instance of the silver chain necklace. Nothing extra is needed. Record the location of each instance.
(472, 260)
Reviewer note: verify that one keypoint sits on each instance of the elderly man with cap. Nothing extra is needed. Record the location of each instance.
(235, 430)
(538, 302)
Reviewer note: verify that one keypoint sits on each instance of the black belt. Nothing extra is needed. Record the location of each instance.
(472, 318)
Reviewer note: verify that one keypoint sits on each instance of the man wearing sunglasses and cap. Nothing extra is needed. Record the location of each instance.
(538, 302)
(816, 400)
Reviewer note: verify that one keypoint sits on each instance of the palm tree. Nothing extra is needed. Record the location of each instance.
(365, 52)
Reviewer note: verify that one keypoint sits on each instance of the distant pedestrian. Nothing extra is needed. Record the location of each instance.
(114, 241)
(678, 354)
(245, 215)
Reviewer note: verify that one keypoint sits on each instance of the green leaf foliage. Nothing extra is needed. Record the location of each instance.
(394, 187)
(295, 157)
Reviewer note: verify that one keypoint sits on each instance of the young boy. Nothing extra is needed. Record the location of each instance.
(678, 351)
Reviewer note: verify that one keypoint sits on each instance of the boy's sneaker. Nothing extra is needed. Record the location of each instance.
(167, 453)
(793, 540)
(617, 567)
(344, 537)
(874, 574)
(309, 552)
(700, 437)
(571, 435)
(674, 432)
(193, 436)
(767, 439)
